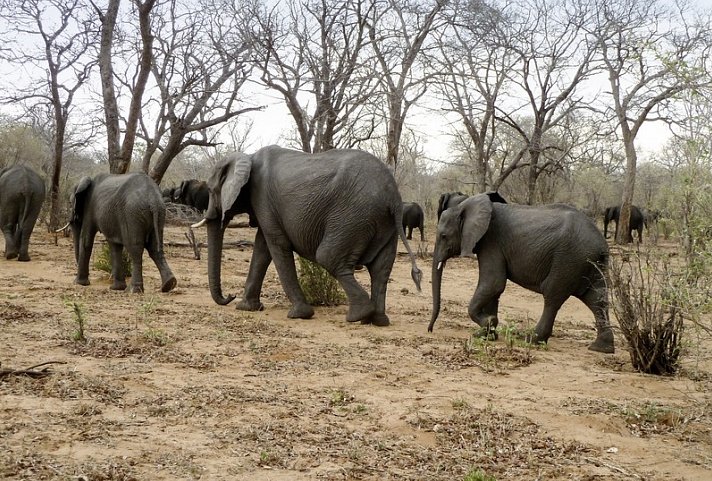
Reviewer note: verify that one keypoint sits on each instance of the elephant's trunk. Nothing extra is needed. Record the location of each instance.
(437, 277)
(215, 244)
(75, 238)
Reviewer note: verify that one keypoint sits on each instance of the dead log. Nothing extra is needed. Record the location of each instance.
(30, 371)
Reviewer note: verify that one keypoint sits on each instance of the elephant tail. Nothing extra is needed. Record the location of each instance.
(415, 273)
(157, 232)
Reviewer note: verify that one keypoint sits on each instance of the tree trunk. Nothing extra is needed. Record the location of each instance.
(106, 70)
(631, 156)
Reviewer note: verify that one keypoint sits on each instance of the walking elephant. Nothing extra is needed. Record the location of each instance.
(22, 192)
(129, 211)
(636, 223)
(413, 217)
(451, 199)
(339, 208)
(553, 250)
(192, 192)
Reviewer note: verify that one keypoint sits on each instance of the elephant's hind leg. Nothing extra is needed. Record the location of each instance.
(380, 270)
(136, 255)
(330, 256)
(596, 300)
(117, 267)
(168, 280)
(545, 326)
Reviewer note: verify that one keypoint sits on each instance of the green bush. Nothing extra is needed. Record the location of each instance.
(319, 287)
(102, 260)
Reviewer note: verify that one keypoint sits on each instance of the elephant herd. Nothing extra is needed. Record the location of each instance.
(341, 209)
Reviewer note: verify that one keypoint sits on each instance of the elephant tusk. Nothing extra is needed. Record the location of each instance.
(63, 228)
(440, 265)
(199, 224)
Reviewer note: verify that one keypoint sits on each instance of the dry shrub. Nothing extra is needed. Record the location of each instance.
(102, 260)
(319, 287)
(647, 302)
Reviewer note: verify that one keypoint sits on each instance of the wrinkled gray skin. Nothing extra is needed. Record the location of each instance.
(637, 221)
(22, 192)
(554, 250)
(129, 210)
(451, 199)
(413, 217)
(192, 192)
(339, 208)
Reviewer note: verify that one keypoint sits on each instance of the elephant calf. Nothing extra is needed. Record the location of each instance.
(22, 192)
(413, 216)
(554, 250)
(129, 211)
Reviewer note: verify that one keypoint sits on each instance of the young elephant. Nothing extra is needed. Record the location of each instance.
(554, 250)
(413, 216)
(22, 192)
(129, 211)
(339, 208)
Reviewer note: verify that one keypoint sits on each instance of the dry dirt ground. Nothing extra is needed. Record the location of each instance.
(173, 386)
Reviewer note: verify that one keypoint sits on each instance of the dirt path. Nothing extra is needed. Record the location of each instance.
(172, 386)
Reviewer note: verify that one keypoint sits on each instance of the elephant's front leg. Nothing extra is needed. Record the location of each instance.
(485, 302)
(283, 258)
(117, 267)
(86, 244)
(261, 259)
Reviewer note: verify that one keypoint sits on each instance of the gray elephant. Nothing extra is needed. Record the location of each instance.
(22, 192)
(413, 216)
(129, 211)
(192, 192)
(451, 199)
(553, 250)
(636, 223)
(339, 208)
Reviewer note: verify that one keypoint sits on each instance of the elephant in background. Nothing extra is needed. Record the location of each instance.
(22, 192)
(413, 216)
(451, 199)
(339, 208)
(167, 194)
(637, 221)
(553, 250)
(129, 211)
(192, 192)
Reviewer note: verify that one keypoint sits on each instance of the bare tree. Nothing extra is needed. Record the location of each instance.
(199, 66)
(651, 52)
(473, 74)
(120, 152)
(311, 54)
(53, 36)
(398, 30)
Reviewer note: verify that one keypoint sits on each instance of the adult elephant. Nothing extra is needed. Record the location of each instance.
(636, 223)
(451, 199)
(553, 250)
(413, 216)
(129, 211)
(339, 208)
(192, 192)
(22, 192)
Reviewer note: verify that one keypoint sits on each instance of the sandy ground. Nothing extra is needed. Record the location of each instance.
(173, 386)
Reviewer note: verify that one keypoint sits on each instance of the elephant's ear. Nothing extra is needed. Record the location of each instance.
(442, 203)
(79, 197)
(475, 215)
(228, 179)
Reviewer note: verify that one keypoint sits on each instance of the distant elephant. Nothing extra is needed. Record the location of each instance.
(553, 250)
(22, 192)
(637, 221)
(129, 211)
(451, 199)
(192, 192)
(340, 208)
(413, 217)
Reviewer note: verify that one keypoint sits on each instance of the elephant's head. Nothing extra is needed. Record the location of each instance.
(459, 230)
(228, 195)
(79, 200)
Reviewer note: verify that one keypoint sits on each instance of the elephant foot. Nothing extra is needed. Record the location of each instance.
(23, 257)
(361, 312)
(169, 284)
(137, 288)
(603, 343)
(118, 285)
(487, 332)
(10, 255)
(81, 281)
(301, 311)
(250, 305)
(379, 319)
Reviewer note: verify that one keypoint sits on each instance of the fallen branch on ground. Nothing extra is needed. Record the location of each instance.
(30, 371)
